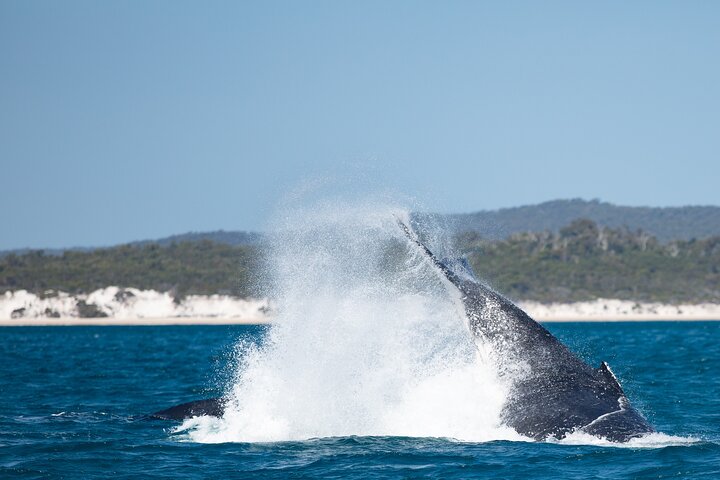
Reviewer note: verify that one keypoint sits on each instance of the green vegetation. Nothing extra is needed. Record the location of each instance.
(88, 310)
(185, 268)
(582, 261)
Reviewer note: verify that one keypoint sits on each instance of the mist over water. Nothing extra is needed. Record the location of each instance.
(365, 342)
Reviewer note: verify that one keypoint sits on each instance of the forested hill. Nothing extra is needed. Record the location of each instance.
(220, 237)
(202, 267)
(664, 223)
(581, 261)
(584, 261)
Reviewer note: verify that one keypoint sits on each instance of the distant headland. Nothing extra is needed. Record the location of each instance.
(562, 259)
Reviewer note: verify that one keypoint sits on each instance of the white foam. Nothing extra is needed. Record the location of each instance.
(650, 440)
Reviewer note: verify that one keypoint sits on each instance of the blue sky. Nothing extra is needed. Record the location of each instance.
(126, 120)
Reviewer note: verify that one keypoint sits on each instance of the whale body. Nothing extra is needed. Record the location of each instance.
(552, 391)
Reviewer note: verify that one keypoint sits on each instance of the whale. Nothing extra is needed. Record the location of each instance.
(212, 407)
(551, 391)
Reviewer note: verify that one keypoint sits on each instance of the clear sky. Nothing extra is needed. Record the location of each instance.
(138, 119)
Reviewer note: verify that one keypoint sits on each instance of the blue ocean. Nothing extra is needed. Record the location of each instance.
(74, 404)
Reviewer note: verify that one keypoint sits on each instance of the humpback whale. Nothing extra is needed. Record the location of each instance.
(552, 391)
(213, 407)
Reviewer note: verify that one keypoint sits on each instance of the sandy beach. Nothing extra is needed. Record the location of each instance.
(614, 310)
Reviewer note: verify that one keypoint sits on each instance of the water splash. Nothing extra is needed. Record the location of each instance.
(365, 342)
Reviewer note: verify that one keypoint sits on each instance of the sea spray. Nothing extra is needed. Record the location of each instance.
(365, 342)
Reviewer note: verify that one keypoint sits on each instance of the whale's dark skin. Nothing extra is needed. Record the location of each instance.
(552, 392)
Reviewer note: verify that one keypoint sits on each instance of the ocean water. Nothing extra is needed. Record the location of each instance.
(74, 401)
(369, 370)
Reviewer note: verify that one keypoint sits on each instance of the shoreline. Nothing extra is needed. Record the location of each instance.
(199, 321)
(627, 318)
(128, 322)
(118, 307)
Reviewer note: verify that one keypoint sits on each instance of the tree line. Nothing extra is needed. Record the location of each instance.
(584, 261)
(581, 261)
(185, 268)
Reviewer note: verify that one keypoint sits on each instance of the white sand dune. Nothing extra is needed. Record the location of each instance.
(606, 309)
(128, 306)
(148, 307)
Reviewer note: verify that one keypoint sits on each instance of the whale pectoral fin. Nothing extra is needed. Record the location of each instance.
(609, 377)
(214, 407)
